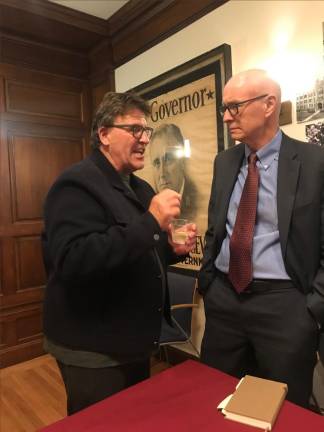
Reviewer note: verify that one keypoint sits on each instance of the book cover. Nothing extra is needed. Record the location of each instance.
(256, 402)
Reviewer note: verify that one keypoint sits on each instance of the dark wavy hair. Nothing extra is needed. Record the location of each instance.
(112, 105)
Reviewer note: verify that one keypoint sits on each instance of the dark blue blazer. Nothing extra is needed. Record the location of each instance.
(300, 205)
(105, 257)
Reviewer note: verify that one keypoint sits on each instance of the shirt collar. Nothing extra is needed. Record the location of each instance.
(268, 153)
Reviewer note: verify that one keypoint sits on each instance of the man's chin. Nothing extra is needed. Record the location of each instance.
(138, 166)
(236, 135)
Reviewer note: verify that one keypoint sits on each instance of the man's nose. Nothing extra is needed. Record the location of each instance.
(227, 116)
(144, 138)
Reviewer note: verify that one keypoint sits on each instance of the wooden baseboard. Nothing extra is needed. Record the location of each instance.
(20, 353)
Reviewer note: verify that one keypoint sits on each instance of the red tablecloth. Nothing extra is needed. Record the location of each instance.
(180, 399)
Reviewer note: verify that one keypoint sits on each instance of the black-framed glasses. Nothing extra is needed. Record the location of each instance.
(135, 129)
(233, 108)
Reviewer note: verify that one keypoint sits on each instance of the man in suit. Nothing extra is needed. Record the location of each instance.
(168, 157)
(106, 246)
(267, 325)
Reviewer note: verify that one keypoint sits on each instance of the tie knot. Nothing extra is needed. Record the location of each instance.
(252, 158)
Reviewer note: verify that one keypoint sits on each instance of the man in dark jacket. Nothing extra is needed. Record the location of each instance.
(106, 247)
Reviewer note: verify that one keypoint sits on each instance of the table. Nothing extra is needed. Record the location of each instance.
(180, 399)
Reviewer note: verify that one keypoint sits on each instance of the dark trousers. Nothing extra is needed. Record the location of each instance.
(86, 386)
(268, 333)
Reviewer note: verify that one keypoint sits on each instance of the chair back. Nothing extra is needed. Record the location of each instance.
(321, 346)
(182, 290)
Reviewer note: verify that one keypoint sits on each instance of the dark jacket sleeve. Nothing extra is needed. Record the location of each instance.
(83, 237)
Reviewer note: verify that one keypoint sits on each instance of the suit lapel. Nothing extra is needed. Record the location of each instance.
(113, 177)
(229, 169)
(143, 197)
(288, 174)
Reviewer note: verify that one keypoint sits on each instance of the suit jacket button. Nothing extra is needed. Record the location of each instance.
(156, 237)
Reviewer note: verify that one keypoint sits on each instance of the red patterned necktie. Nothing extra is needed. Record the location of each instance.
(240, 266)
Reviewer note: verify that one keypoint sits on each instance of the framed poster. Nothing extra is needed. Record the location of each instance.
(188, 133)
(310, 104)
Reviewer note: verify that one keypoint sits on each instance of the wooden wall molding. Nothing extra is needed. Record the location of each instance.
(34, 163)
(40, 20)
(134, 11)
(48, 102)
(44, 127)
(101, 63)
(28, 252)
(141, 24)
(59, 13)
(21, 331)
(44, 57)
(56, 99)
(136, 27)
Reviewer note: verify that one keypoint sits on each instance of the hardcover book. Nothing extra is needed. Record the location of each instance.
(256, 402)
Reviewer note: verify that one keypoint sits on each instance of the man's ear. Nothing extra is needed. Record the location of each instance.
(104, 136)
(271, 105)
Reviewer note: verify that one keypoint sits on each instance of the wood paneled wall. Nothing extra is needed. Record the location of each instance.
(44, 129)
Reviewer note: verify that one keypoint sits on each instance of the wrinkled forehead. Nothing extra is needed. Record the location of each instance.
(132, 115)
(250, 84)
(236, 91)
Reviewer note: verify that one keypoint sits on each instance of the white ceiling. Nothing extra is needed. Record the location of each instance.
(99, 8)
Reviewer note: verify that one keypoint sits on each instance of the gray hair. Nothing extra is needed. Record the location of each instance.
(112, 105)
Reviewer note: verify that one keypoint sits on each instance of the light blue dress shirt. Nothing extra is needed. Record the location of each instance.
(266, 252)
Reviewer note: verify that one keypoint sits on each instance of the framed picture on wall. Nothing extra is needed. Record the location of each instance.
(188, 133)
(310, 103)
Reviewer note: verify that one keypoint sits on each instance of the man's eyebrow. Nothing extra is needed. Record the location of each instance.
(231, 103)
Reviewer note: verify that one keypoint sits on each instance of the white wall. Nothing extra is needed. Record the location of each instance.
(284, 37)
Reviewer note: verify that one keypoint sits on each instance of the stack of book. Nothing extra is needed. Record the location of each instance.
(256, 402)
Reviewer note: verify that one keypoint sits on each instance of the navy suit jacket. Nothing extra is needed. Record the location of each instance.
(105, 257)
(300, 205)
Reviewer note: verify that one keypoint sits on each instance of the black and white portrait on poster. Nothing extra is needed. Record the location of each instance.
(188, 133)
